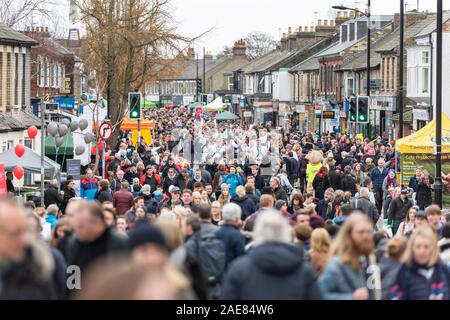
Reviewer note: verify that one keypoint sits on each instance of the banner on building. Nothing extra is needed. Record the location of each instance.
(74, 170)
(3, 189)
(409, 163)
(65, 103)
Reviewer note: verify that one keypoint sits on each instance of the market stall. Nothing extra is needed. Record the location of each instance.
(418, 150)
(132, 125)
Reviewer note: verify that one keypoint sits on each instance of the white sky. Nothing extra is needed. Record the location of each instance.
(233, 19)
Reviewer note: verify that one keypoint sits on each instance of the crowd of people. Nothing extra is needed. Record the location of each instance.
(226, 210)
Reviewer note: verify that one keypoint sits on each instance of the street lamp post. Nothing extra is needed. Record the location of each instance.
(400, 94)
(367, 15)
(438, 181)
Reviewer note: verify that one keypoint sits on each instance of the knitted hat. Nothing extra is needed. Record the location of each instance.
(158, 196)
(145, 233)
(315, 221)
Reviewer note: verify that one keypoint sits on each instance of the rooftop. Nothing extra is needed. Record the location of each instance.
(387, 43)
(11, 36)
(431, 27)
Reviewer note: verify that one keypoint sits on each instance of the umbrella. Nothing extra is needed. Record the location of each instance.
(225, 116)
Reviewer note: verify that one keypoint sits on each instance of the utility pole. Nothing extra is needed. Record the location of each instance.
(438, 180)
(369, 27)
(204, 72)
(196, 80)
(401, 58)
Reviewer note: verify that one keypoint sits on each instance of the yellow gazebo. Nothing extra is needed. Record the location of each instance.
(423, 141)
(132, 125)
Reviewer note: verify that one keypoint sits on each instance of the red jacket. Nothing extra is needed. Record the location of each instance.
(123, 201)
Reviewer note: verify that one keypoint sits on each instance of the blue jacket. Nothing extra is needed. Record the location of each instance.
(53, 220)
(233, 180)
(88, 189)
(338, 281)
(378, 178)
(412, 285)
(234, 242)
(271, 271)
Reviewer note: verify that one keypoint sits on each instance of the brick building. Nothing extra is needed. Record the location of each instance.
(52, 66)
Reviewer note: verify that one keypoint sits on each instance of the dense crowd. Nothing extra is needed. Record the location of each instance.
(228, 210)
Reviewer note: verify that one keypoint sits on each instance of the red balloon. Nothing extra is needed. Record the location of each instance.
(32, 132)
(20, 150)
(18, 172)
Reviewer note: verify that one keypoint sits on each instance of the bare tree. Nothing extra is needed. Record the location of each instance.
(18, 13)
(129, 43)
(227, 52)
(258, 44)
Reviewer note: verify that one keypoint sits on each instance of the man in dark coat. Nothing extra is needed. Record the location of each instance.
(363, 204)
(92, 239)
(398, 210)
(51, 195)
(273, 269)
(244, 202)
(229, 232)
(28, 268)
(259, 180)
(280, 193)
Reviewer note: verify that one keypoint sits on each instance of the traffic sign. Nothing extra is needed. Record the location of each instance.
(105, 131)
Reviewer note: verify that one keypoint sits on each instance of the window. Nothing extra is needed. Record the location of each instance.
(16, 79)
(352, 32)
(10, 145)
(24, 61)
(344, 33)
(46, 71)
(425, 79)
(349, 87)
(425, 57)
(230, 82)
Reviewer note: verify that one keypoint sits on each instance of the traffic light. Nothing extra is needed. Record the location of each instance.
(353, 110)
(363, 109)
(199, 86)
(134, 103)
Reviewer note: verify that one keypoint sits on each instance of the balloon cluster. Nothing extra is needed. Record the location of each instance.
(58, 131)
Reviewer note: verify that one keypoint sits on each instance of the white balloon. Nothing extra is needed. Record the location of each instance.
(65, 121)
(89, 137)
(52, 128)
(62, 130)
(83, 124)
(59, 141)
(79, 150)
(73, 125)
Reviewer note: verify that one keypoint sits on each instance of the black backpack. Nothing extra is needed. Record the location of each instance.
(211, 253)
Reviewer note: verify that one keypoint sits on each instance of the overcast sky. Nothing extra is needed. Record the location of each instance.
(233, 19)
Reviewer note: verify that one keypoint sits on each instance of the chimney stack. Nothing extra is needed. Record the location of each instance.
(239, 48)
(191, 53)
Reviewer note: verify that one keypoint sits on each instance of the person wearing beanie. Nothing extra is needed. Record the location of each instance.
(147, 244)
